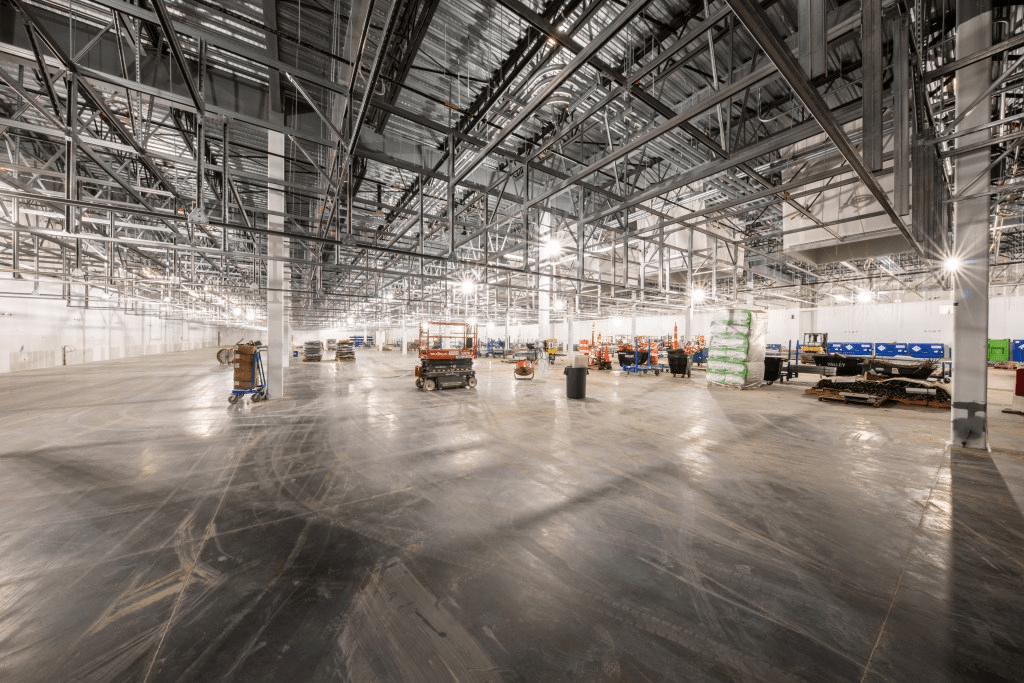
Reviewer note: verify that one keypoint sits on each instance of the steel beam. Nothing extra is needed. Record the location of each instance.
(757, 23)
(871, 48)
(592, 48)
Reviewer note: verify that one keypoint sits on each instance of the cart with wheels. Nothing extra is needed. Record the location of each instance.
(446, 350)
(250, 373)
(678, 363)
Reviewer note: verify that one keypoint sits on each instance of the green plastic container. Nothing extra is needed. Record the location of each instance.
(998, 350)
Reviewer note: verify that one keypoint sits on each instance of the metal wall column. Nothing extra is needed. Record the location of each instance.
(277, 328)
(969, 426)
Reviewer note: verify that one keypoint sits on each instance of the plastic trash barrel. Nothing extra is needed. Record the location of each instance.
(576, 382)
(772, 368)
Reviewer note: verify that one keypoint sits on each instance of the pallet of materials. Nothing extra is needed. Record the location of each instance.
(901, 390)
(312, 351)
(345, 352)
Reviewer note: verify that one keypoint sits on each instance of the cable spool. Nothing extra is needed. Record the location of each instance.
(224, 356)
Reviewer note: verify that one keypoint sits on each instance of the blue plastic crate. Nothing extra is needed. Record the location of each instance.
(774, 348)
(835, 347)
(890, 349)
(1017, 350)
(922, 350)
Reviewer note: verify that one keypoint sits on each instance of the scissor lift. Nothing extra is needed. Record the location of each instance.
(447, 350)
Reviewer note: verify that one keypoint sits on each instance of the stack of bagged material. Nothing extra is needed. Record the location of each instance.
(312, 351)
(243, 363)
(737, 348)
(346, 351)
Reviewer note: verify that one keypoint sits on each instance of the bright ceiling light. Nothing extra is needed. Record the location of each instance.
(236, 311)
(952, 264)
(559, 304)
(467, 286)
(551, 248)
(349, 320)
(864, 296)
(472, 322)
(250, 315)
(699, 295)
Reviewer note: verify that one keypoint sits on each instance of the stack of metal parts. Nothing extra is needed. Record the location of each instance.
(346, 351)
(312, 351)
(899, 389)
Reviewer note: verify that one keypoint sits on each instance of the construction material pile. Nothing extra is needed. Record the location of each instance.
(312, 351)
(899, 389)
(737, 348)
(346, 351)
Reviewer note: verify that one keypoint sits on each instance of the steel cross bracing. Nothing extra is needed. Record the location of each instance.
(490, 128)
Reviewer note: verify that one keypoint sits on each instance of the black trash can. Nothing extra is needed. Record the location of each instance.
(576, 382)
(678, 363)
(772, 368)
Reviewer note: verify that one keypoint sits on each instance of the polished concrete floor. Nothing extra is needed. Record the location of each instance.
(360, 530)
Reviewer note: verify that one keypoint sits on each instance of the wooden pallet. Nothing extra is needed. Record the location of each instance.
(875, 401)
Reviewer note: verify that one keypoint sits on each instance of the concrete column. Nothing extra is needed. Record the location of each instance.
(689, 285)
(277, 326)
(570, 340)
(969, 427)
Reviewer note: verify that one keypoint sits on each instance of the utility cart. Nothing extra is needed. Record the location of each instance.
(679, 363)
(250, 372)
(635, 359)
(447, 350)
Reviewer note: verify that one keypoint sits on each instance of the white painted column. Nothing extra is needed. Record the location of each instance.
(969, 426)
(571, 339)
(278, 346)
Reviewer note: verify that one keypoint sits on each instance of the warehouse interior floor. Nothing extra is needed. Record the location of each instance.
(361, 530)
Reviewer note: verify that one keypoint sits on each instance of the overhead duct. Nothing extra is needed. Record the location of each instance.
(855, 224)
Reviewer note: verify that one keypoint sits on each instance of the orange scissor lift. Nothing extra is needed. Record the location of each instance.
(447, 350)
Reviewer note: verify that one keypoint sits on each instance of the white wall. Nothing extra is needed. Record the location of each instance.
(925, 321)
(40, 330)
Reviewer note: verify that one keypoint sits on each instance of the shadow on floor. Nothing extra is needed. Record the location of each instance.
(988, 572)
